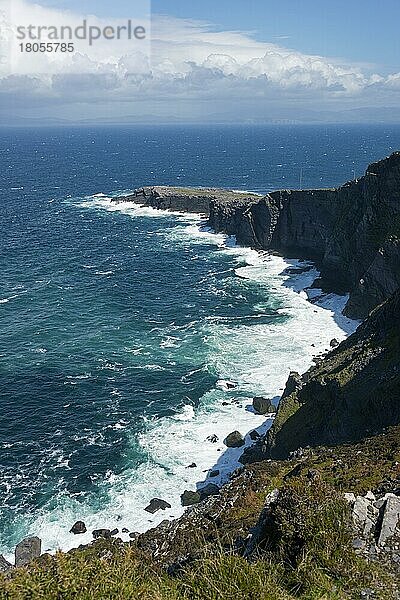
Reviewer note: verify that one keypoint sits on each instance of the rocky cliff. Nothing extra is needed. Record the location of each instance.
(326, 521)
(354, 391)
(182, 199)
(354, 231)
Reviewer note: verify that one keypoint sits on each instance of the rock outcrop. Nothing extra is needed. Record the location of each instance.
(189, 497)
(353, 231)
(377, 523)
(78, 528)
(157, 504)
(263, 406)
(101, 533)
(353, 392)
(27, 550)
(195, 200)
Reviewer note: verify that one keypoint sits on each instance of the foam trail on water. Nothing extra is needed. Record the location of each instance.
(256, 357)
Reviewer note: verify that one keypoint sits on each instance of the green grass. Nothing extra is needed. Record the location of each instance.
(306, 552)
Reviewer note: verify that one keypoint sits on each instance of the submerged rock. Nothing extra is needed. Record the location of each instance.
(101, 533)
(214, 473)
(263, 406)
(78, 527)
(189, 497)
(157, 504)
(234, 440)
(27, 550)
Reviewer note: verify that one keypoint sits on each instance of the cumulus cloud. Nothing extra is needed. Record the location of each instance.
(184, 64)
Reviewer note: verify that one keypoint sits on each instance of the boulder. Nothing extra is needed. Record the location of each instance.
(391, 520)
(157, 504)
(350, 497)
(254, 435)
(5, 565)
(214, 473)
(27, 550)
(114, 531)
(234, 440)
(191, 466)
(189, 497)
(334, 343)
(382, 501)
(263, 406)
(78, 527)
(101, 533)
(125, 530)
(365, 515)
(212, 438)
(208, 490)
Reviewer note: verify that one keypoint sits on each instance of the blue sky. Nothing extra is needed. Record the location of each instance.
(211, 61)
(356, 30)
(360, 30)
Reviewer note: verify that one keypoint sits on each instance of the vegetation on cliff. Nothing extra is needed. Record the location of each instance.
(353, 392)
(305, 550)
(283, 529)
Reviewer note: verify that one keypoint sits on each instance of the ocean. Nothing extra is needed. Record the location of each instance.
(120, 325)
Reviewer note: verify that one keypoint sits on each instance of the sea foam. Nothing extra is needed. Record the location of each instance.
(256, 358)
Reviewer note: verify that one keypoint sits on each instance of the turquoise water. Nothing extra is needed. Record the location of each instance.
(118, 325)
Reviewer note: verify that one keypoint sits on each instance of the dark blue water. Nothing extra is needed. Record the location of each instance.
(115, 323)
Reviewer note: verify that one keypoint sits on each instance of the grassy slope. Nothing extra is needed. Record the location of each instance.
(307, 555)
(353, 392)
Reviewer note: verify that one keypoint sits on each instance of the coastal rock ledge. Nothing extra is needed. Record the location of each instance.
(353, 231)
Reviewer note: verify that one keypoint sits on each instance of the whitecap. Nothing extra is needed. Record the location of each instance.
(257, 357)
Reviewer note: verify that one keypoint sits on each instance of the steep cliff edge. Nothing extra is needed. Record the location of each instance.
(354, 231)
(353, 392)
(184, 199)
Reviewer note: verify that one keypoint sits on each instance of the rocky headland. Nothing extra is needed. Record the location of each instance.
(315, 510)
(353, 231)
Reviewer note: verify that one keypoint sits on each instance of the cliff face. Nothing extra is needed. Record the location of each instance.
(353, 392)
(354, 230)
(194, 200)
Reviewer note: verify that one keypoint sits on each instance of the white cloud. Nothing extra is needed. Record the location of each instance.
(187, 62)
